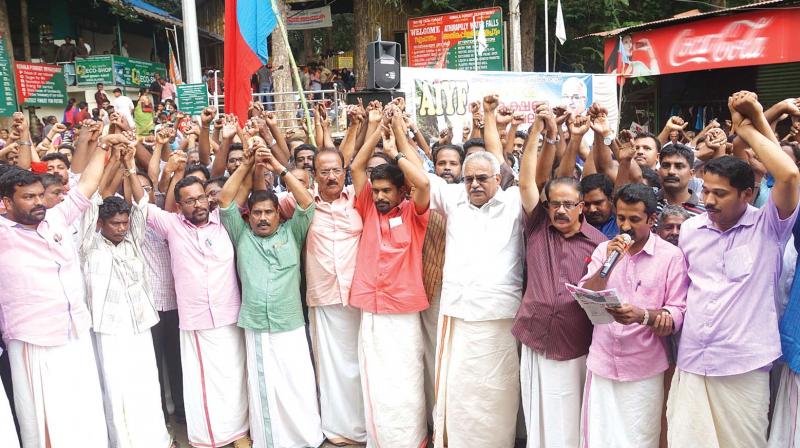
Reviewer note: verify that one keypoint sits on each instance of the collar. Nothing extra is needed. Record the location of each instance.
(344, 194)
(582, 230)
(650, 246)
(748, 218)
(694, 198)
(213, 218)
(500, 197)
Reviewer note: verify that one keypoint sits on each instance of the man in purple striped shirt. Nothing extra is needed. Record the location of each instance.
(554, 330)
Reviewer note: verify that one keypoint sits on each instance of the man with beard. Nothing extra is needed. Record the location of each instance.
(46, 324)
(280, 378)
(330, 262)
(554, 330)
(599, 211)
(646, 149)
(388, 289)
(212, 188)
(303, 157)
(477, 368)
(447, 161)
(720, 394)
(675, 171)
(212, 346)
(669, 222)
(627, 360)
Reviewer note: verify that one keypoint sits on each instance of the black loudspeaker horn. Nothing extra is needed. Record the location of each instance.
(383, 63)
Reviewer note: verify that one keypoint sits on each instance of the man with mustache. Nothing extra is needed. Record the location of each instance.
(627, 359)
(668, 226)
(207, 290)
(646, 149)
(44, 318)
(121, 304)
(330, 262)
(281, 387)
(554, 331)
(388, 289)
(720, 394)
(477, 365)
(675, 170)
(598, 208)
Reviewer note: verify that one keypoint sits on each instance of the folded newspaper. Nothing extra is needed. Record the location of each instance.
(594, 303)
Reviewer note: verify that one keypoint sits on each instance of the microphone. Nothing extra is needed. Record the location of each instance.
(612, 260)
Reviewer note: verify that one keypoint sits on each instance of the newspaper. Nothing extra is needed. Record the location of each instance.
(594, 303)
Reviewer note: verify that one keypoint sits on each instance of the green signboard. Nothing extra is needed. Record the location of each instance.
(8, 94)
(40, 84)
(95, 69)
(117, 70)
(192, 98)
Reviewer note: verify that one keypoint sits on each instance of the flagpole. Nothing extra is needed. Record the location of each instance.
(546, 39)
(177, 48)
(295, 72)
(555, 52)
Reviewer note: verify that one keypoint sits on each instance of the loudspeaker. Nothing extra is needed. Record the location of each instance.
(384, 96)
(383, 63)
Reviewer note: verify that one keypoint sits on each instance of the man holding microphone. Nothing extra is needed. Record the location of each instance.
(627, 358)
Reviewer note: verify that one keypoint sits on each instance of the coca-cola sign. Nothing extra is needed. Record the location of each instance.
(751, 38)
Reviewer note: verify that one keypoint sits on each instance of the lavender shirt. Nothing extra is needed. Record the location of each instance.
(731, 326)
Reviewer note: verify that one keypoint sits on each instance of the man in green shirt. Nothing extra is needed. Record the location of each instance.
(283, 410)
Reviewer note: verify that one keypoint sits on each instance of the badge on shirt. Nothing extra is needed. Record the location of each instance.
(395, 222)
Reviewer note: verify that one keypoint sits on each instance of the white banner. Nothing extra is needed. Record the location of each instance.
(307, 19)
(439, 98)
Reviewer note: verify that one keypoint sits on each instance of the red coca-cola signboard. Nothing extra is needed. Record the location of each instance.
(752, 38)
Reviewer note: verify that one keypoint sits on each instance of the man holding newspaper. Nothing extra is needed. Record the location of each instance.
(627, 358)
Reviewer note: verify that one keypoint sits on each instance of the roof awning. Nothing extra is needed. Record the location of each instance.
(683, 17)
(159, 15)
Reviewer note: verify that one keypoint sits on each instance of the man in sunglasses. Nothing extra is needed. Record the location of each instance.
(554, 331)
(212, 346)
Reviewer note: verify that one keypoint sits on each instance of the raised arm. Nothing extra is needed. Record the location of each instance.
(673, 124)
(131, 183)
(578, 126)
(280, 150)
(21, 130)
(204, 140)
(231, 187)
(546, 159)
(358, 169)
(746, 111)
(296, 188)
(528, 188)
(413, 172)
(601, 153)
(491, 136)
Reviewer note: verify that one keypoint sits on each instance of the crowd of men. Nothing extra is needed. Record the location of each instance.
(379, 290)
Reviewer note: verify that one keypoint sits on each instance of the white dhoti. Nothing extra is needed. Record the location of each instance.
(57, 394)
(477, 384)
(718, 412)
(334, 337)
(8, 432)
(132, 391)
(785, 431)
(214, 385)
(430, 331)
(281, 390)
(622, 414)
(552, 394)
(390, 358)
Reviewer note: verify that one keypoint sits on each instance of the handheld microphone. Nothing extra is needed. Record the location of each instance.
(612, 260)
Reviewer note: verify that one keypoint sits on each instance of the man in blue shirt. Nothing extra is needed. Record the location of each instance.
(598, 207)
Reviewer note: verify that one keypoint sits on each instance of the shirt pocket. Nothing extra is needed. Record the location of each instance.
(738, 262)
(286, 255)
(400, 236)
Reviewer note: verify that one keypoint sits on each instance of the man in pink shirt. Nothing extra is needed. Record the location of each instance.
(627, 358)
(43, 315)
(330, 262)
(720, 392)
(388, 288)
(167, 90)
(212, 346)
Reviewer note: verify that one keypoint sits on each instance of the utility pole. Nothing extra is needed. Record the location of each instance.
(516, 37)
(191, 43)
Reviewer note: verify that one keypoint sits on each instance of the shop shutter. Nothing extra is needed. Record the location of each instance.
(777, 82)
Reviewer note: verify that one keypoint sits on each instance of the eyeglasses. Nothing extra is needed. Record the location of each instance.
(555, 205)
(481, 179)
(194, 201)
(335, 171)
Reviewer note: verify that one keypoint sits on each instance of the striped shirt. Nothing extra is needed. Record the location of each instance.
(159, 271)
(549, 321)
(433, 256)
(694, 206)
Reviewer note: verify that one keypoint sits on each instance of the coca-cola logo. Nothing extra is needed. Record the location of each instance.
(739, 40)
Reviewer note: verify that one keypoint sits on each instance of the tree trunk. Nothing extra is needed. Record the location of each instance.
(367, 19)
(281, 77)
(5, 33)
(528, 30)
(308, 46)
(26, 34)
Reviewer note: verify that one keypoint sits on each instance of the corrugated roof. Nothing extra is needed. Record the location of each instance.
(684, 17)
(159, 15)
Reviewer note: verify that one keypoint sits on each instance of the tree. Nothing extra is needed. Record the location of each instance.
(527, 9)
(281, 78)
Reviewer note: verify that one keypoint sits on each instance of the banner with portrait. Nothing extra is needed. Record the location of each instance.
(439, 98)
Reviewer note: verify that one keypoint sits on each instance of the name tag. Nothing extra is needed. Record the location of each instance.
(394, 222)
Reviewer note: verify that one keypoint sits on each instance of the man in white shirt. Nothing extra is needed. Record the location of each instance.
(123, 106)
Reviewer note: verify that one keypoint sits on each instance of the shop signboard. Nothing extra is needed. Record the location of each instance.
(95, 69)
(308, 19)
(8, 94)
(192, 98)
(759, 37)
(438, 99)
(466, 40)
(40, 84)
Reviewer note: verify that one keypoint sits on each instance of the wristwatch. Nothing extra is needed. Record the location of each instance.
(552, 141)
(284, 172)
(607, 140)
(399, 156)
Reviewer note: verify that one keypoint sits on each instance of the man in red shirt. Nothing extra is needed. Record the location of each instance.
(387, 287)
